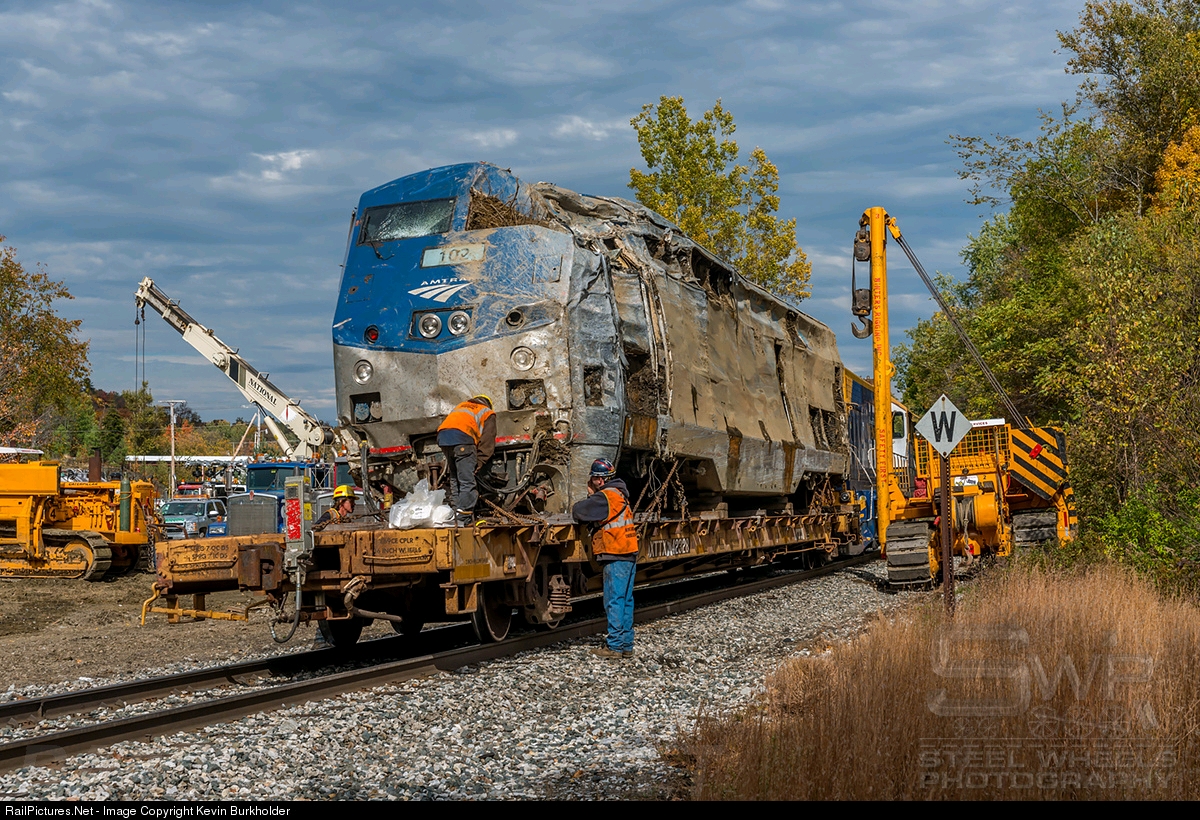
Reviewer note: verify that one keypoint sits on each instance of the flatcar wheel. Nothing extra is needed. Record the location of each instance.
(341, 634)
(492, 617)
(411, 625)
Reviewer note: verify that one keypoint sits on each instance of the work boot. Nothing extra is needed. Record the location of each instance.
(605, 652)
(628, 653)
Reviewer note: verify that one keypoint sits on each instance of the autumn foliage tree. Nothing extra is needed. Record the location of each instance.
(694, 179)
(43, 365)
(1085, 293)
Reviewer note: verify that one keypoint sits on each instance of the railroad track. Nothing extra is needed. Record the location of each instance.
(52, 748)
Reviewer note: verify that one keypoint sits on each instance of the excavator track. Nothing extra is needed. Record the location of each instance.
(908, 551)
(1033, 527)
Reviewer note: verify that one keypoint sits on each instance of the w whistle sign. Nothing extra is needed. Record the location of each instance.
(943, 426)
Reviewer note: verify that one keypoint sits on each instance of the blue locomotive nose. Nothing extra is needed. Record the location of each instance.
(599, 330)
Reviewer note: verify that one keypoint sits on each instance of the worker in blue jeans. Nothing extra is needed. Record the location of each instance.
(615, 545)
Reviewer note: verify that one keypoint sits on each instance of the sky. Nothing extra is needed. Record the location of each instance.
(220, 147)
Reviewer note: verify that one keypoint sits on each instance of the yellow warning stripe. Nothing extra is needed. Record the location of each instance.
(1031, 477)
(1069, 497)
(1049, 459)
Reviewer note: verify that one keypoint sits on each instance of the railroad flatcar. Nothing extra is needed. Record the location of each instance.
(598, 328)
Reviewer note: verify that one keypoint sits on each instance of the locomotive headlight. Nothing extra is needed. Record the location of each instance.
(523, 358)
(430, 325)
(459, 322)
(363, 372)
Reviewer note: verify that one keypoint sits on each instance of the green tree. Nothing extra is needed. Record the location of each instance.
(44, 365)
(147, 422)
(1085, 295)
(694, 180)
(1141, 67)
(111, 439)
(73, 431)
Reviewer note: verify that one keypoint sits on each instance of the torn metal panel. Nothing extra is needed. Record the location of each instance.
(624, 319)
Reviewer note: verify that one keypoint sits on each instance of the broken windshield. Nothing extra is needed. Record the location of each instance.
(406, 220)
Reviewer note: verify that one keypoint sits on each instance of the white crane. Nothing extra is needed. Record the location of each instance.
(254, 385)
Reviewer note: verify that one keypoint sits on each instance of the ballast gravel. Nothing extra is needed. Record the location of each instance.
(552, 723)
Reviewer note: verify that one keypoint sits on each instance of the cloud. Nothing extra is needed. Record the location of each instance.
(491, 138)
(220, 148)
(577, 127)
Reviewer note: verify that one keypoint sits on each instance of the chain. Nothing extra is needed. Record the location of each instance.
(656, 502)
(512, 517)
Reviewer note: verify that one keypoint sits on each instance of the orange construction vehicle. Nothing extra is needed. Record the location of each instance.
(50, 528)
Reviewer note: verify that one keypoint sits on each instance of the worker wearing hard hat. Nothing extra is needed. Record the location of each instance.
(468, 439)
(343, 506)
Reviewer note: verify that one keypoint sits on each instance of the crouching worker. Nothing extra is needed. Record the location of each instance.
(615, 545)
(468, 439)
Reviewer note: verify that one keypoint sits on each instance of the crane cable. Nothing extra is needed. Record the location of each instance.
(1021, 422)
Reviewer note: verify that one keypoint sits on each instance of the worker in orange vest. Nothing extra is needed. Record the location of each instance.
(468, 440)
(615, 545)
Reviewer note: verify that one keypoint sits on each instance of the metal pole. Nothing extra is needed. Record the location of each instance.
(171, 404)
(947, 544)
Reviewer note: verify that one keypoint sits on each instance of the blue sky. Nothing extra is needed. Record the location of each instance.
(220, 147)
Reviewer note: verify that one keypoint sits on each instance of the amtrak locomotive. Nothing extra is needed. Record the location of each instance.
(599, 330)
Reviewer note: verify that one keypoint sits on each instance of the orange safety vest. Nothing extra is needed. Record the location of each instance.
(617, 535)
(468, 417)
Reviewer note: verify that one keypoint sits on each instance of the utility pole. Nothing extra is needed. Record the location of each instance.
(172, 403)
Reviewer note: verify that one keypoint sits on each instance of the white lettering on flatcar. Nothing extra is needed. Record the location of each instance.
(669, 547)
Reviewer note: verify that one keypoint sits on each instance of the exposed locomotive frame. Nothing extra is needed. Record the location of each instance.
(595, 324)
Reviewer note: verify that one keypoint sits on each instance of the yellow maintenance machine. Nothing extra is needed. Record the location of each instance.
(50, 528)
(1009, 480)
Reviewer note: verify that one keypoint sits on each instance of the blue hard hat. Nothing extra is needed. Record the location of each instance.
(603, 468)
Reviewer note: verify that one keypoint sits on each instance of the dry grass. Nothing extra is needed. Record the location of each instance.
(914, 710)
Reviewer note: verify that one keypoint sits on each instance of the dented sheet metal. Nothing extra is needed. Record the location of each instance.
(631, 337)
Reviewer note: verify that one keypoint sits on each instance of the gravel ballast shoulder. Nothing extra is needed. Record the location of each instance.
(557, 722)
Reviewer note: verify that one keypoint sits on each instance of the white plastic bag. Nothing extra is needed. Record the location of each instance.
(417, 508)
(398, 516)
(443, 516)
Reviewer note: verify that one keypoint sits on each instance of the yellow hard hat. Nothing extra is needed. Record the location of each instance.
(486, 398)
(344, 491)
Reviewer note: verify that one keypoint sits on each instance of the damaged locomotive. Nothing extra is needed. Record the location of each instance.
(599, 329)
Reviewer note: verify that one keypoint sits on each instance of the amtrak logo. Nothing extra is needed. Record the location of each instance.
(439, 291)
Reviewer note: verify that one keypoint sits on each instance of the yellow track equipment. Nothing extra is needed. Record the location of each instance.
(55, 529)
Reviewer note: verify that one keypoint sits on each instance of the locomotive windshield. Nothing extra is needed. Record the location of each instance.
(406, 220)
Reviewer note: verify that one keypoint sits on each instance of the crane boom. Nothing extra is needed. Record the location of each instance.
(252, 384)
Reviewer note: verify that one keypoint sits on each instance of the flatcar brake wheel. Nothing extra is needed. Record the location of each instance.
(492, 617)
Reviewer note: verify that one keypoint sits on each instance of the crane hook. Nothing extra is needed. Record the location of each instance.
(868, 327)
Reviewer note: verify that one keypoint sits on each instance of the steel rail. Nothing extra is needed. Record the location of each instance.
(123, 694)
(52, 748)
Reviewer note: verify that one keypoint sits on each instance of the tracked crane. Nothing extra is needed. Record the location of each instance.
(252, 384)
(1010, 485)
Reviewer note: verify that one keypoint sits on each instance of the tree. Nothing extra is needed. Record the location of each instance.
(111, 440)
(147, 422)
(1178, 177)
(42, 363)
(694, 180)
(1141, 66)
(1085, 296)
